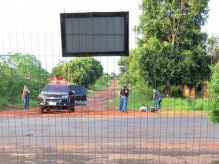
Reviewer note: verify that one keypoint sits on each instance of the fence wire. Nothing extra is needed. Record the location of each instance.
(97, 132)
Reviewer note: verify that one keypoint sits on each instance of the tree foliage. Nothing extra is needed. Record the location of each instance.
(213, 109)
(131, 69)
(81, 71)
(213, 49)
(17, 70)
(58, 69)
(172, 50)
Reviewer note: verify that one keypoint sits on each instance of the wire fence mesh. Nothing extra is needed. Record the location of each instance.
(97, 132)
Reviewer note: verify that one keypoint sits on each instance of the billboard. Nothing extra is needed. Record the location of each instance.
(95, 34)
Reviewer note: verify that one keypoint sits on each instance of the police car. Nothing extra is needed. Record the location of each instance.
(59, 95)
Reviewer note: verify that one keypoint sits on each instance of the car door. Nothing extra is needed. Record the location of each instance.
(71, 99)
(79, 95)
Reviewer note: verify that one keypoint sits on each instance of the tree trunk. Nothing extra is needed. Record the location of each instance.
(167, 91)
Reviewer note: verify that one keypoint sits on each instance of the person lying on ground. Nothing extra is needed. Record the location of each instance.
(143, 108)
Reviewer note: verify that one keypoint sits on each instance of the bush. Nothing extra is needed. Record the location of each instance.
(141, 96)
(102, 83)
(16, 71)
(175, 92)
(213, 105)
(180, 105)
(3, 103)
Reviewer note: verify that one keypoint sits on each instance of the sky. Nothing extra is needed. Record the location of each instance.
(33, 26)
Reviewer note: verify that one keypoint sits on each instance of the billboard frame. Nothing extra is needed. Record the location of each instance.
(95, 15)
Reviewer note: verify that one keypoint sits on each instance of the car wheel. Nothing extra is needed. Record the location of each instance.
(40, 110)
(73, 108)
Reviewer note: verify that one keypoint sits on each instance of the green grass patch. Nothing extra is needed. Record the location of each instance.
(5, 104)
(136, 99)
(180, 105)
(101, 84)
(169, 105)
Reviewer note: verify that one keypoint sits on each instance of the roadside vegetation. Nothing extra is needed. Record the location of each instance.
(84, 71)
(102, 83)
(169, 105)
(80, 71)
(213, 107)
(17, 70)
(172, 52)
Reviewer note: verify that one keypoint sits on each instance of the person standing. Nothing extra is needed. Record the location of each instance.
(25, 97)
(120, 101)
(157, 97)
(124, 93)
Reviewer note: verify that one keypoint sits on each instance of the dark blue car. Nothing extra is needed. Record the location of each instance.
(60, 95)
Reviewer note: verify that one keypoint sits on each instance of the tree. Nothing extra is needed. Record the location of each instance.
(112, 75)
(213, 49)
(58, 69)
(172, 50)
(123, 62)
(131, 69)
(83, 71)
(213, 108)
(18, 70)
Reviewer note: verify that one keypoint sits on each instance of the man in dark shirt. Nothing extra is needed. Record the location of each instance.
(124, 93)
(157, 97)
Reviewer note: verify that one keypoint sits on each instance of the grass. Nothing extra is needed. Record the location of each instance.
(101, 84)
(135, 100)
(180, 105)
(20, 104)
(169, 105)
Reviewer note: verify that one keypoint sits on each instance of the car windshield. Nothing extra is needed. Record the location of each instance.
(78, 89)
(56, 88)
